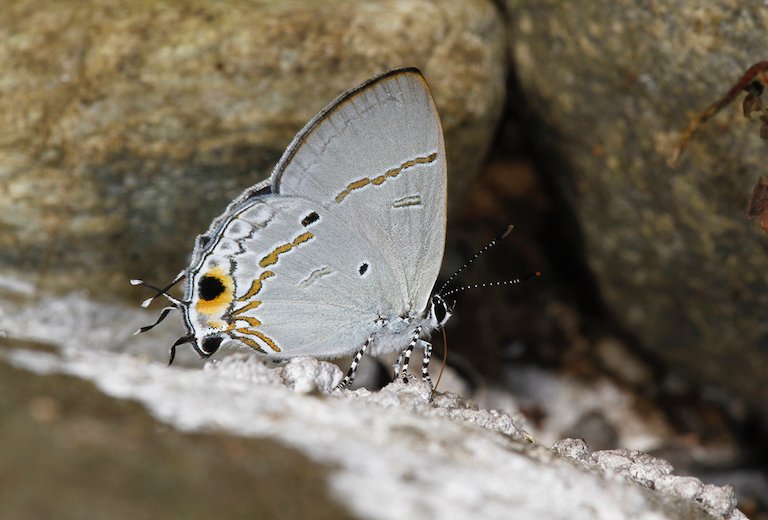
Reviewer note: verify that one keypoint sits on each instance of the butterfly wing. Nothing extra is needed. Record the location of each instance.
(349, 231)
(375, 157)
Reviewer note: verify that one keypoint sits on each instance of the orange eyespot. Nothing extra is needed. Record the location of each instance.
(215, 291)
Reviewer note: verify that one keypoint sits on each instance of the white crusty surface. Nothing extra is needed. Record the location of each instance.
(397, 452)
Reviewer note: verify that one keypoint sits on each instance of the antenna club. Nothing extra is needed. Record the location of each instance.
(497, 283)
(508, 231)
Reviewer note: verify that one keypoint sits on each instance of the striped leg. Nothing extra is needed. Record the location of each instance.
(407, 354)
(399, 364)
(425, 364)
(347, 381)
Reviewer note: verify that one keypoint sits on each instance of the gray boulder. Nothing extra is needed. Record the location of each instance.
(613, 84)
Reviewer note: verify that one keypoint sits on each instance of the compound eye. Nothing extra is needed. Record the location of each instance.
(210, 345)
(440, 308)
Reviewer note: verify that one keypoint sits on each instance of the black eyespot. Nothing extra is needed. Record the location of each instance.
(309, 219)
(211, 344)
(209, 287)
(363, 269)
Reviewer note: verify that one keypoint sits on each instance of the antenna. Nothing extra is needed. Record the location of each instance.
(513, 281)
(176, 304)
(163, 292)
(469, 262)
(163, 314)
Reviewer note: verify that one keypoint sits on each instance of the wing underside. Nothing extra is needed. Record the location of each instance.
(350, 231)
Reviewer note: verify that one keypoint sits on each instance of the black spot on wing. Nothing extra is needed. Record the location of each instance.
(209, 287)
(310, 219)
(363, 269)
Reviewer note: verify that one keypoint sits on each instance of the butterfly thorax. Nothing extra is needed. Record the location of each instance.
(394, 334)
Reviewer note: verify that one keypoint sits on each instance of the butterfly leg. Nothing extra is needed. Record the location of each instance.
(406, 354)
(347, 381)
(425, 363)
(399, 364)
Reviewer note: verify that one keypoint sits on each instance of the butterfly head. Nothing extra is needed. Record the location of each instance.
(205, 346)
(440, 311)
(209, 295)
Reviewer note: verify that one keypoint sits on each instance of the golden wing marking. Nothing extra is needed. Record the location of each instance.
(377, 181)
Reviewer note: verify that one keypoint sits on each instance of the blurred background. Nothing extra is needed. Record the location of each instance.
(126, 127)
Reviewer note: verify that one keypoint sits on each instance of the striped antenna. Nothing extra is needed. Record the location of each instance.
(163, 314)
(161, 292)
(513, 281)
(469, 262)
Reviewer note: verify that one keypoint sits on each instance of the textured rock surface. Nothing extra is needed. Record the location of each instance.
(72, 452)
(652, 473)
(394, 452)
(613, 83)
(125, 127)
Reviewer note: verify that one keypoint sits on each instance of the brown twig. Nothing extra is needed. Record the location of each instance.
(752, 82)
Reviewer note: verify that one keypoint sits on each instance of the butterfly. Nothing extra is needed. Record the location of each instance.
(338, 251)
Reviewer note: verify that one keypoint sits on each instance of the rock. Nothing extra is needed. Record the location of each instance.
(73, 452)
(574, 449)
(380, 454)
(685, 487)
(718, 499)
(611, 86)
(653, 473)
(308, 375)
(127, 127)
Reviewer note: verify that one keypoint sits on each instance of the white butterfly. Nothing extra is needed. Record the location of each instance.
(338, 251)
